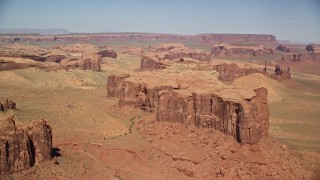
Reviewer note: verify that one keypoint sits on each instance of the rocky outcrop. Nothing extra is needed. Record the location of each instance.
(114, 84)
(244, 119)
(313, 47)
(108, 53)
(264, 39)
(55, 58)
(231, 50)
(201, 56)
(23, 147)
(247, 122)
(229, 72)
(301, 57)
(283, 48)
(9, 65)
(158, 57)
(81, 56)
(148, 62)
(8, 104)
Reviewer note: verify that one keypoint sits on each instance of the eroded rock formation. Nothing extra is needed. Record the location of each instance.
(158, 57)
(313, 47)
(283, 48)
(243, 116)
(23, 147)
(264, 39)
(233, 50)
(8, 104)
(300, 57)
(229, 72)
(82, 56)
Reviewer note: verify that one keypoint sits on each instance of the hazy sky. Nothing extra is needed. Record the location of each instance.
(297, 20)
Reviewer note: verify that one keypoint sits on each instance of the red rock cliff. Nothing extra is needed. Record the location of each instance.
(245, 119)
(23, 147)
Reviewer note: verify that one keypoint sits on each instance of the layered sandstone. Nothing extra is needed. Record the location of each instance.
(108, 53)
(202, 101)
(223, 50)
(231, 71)
(313, 47)
(82, 56)
(23, 147)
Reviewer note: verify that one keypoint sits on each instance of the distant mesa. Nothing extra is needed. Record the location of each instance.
(263, 39)
(158, 57)
(22, 31)
(312, 53)
(240, 50)
(108, 53)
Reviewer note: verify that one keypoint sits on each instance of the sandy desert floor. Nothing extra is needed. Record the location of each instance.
(84, 120)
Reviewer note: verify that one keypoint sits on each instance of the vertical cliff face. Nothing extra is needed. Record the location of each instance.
(23, 147)
(245, 119)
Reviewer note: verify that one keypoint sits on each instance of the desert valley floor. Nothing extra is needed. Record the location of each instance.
(94, 138)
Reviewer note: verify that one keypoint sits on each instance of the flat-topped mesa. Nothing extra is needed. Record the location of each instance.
(231, 71)
(158, 57)
(301, 57)
(223, 50)
(23, 147)
(264, 39)
(205, 103)
(82, 56)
